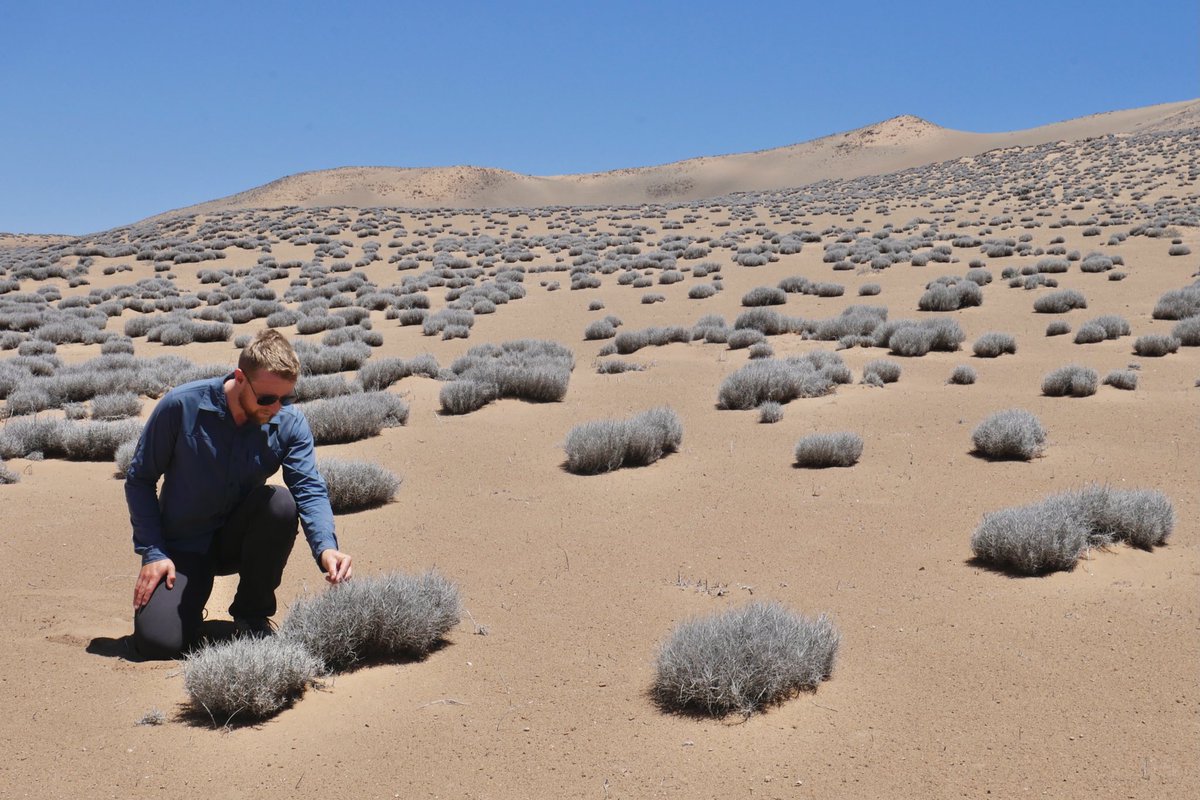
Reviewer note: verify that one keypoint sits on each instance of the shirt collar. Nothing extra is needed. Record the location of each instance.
(214, 399)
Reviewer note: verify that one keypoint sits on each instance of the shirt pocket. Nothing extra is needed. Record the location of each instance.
(203, 452)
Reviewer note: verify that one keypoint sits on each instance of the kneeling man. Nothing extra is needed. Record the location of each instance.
(214, 443)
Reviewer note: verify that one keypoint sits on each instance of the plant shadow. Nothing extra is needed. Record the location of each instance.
(1001, 569)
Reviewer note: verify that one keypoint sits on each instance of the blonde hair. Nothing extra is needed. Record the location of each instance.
(271, 352)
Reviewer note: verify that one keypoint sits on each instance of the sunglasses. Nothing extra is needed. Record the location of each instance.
(270, 399)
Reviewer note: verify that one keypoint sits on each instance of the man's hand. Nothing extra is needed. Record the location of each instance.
(149, 578)
(336, 565)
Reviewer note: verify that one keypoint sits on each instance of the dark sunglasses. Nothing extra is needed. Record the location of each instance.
(269, 399)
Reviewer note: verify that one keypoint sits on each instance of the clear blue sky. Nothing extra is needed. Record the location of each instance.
(114, 111)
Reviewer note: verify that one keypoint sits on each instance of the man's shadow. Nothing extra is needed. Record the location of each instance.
(213, 630)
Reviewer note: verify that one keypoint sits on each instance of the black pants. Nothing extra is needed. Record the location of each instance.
(255, 543)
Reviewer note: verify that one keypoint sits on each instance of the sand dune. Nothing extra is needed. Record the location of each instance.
(895, 144)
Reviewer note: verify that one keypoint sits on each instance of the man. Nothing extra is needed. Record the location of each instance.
(215, 442)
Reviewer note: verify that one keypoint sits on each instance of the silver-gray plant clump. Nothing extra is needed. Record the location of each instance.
(60, 438)
(821, 450)
(743, 660)
(782, 380)
(1053, 533)
(1014, 434)
(1073, 380)
(527, 369)
(248, 677)
(610, 444)
(348, 418)
(384, 617)
(356, 485)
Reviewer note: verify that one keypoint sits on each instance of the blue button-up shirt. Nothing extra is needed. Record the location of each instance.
(209, 464)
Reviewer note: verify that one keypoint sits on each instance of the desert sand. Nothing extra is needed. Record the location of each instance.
(952, 679)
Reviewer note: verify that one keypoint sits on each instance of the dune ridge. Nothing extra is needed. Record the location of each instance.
(894, 144)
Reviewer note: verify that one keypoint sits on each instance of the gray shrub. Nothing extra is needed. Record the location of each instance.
(1187, 332)
(743, 338)
(1073, 380)
(743, 659)
(994, 344)
(7, 476)
(1090, 333)
(1061, 301)
(1114, 326)
(606, 445)
(911, 341)
(769, 321)
(950, 297)
(778, 380)
(379, 374)
(885, 369)
(249, 678)
(1043, 537)
(448, 317)
(123, 457)
(1143, 518)
(60, 438)
(356, 485)
(770, 412)
(1052, 534)
(1179, 303)
(316, 387)
(1058, 328)
(1154, 345)
(381, 617)
(116, 406)
(337, 420)
(320, 360)
(764, 296)
(599, 329)
(463, 397)
(821, 450)
(1122, 379)
(760, 350)
(1014, 434)
(616, 366)
(701, 291)
(962, 375)
(526, 369)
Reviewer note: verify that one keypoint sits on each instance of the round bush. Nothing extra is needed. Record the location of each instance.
(993, 345)
(821, 450)
(962, 375)
(1010, 435)
(1072, 380)
(357, 485)
(743, 659)
(1155, 345)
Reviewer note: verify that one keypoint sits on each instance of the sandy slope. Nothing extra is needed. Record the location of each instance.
(952, 681)
(889, 146)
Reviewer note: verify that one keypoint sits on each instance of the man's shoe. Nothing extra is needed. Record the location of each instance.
(253, 627)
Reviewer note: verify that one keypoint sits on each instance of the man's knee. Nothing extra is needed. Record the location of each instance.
(157, 641)
(170, 622)
(281, 508)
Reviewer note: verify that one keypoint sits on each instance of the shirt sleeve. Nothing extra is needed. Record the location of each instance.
(150, 460)
(308, 487)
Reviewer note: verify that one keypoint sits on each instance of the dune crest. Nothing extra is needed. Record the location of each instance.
(895, 144)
